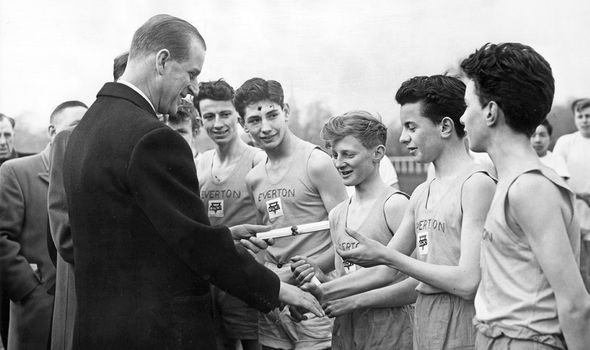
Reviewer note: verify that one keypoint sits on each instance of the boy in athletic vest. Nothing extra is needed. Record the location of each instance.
(531, 293)
(296, 185)
(443, 224)
(222, 172)
(357, 143)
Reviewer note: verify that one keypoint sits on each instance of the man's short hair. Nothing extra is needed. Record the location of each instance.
(440, 96)
(580, 104)
(256, 90)
(517, 78)
(119, 65)
(186, 111)
(359, 124)
(64, 105)
(165, 32)
(10, 119)
(218, 90)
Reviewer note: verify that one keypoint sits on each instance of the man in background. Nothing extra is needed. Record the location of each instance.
(27, 272)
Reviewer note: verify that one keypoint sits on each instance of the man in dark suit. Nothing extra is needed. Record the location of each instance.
(143, 249)
(26, 270)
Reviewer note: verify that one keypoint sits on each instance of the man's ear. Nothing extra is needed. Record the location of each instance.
(287, 111)
(162, 58)
(493, 113)
(378, 153)
(447, 127)
(51, 131)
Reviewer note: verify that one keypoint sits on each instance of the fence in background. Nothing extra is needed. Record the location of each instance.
(410, 174)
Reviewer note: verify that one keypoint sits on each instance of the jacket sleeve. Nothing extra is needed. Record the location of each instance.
(16, 275)
(57, 206)
(162, 177)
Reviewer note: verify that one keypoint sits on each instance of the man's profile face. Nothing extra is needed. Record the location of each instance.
(6, 139)
(180, 79)
(420, 135)
(582, 121)
(266, 122)
(220, 120)
(473, 118)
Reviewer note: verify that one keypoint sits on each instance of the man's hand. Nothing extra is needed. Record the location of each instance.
(292, 295)
(304, 270)
(246, 236)
(368, 253)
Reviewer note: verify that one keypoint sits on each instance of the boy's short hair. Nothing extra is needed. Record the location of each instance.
(186, 111)
(362, 125)
(218, 90)
(440, 95)
(517, 78)
(547, 126)
(258, 89)
(580, 104)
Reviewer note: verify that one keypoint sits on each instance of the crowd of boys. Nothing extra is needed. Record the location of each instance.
(120, 236)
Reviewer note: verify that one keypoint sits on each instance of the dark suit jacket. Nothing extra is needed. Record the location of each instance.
(143, 248)
(64, 310)
(26, 270)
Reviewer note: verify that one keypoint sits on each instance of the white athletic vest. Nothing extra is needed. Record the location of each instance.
(228, 202)
(292, 200)
(438, 225)
(514, 298)
(374, 227)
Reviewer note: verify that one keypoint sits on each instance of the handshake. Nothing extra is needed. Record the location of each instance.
(301, 299)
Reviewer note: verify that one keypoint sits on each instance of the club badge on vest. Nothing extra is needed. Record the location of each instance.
(215, 208)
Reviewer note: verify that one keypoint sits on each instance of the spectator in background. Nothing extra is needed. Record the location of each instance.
(540, 142)
(7, 150)
(187, 123)
(575, 150)
(26, 270)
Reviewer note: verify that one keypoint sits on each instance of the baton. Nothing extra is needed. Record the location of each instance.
(294, 230)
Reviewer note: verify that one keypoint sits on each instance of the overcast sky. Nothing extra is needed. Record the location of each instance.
(348, 54)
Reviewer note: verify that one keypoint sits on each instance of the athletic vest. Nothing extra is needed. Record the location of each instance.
(292, 200)
(438, 225)
(514, 296)
(228, 202)
(374, 226)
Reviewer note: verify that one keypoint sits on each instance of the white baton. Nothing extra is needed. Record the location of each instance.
(294, 230)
